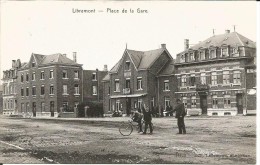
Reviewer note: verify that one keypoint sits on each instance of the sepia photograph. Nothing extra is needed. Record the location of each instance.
(128, 82)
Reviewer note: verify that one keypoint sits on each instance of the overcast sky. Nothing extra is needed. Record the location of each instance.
(100, 38)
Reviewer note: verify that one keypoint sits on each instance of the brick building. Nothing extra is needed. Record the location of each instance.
(217, 76)
(49, 84)
(140, 77)
(9, 89)
(93, 87)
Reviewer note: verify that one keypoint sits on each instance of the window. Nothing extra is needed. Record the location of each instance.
(42, 75)
(192, 80)
(34, 91)
(76, 74)
(27, 91)
(214, 102)
(27, 77)
(65, 89)
(127, 83)
(11, 104)
(65, 74)
(52, 106)
(184, 100)
(193, 102)
(42, 106)
(94, 90)
(213, 78)
(27, 107)
(203, 78)
(166, 102)
(236, 77)
(33, 76)
(139, 102)
(42, 90)
(22, 107)
(65, 106)
(117, 87)
(94, 76)
(212, 53)
(182, 58)
(166, 85)
(117, 105)
(224, 52)
(51, 74)
(202, 55)
(21, 77)
(226, 77)
(76, 104)
(51, 90)
(127, 65)
(227, 103)
(22, 94)
(139, 83)
(33, 64)
(192, 57)
(183, 81)
(76, 88)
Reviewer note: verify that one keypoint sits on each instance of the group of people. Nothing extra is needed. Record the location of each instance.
(146, 114)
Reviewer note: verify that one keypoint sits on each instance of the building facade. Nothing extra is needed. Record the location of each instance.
(138, 79)
(1, 99)
(49, 84)
(93, 87)
(217, 76)
(9, 89)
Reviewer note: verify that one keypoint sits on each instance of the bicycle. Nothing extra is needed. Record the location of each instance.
(126, 129)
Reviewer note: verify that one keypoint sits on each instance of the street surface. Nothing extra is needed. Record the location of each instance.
(219, 140)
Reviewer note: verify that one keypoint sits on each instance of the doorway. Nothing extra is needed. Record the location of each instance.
(128, 106)
(239, 100)
(203, 103)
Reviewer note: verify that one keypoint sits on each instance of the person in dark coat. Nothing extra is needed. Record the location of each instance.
(147, 119)
(161, 111)
(137, 117)
(180, 113)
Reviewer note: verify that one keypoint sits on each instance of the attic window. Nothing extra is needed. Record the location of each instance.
(225, 38)
(208, 41)
(127, 65)
(33, 64)
(52, 60)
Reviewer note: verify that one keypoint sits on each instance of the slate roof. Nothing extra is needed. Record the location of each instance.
(141, 59)
(233, 39)
(168, 69)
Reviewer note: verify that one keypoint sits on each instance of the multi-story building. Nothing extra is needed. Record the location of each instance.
(9, 88)
(49, 84)
(140, 77)
(93, 87)
(217, 76)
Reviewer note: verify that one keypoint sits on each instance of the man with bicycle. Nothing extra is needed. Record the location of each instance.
(137, 117)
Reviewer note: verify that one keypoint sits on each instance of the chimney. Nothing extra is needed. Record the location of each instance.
(163, 46)
(105, 68)
(13, 63)
(227, 31)
(75, 56)
(186, 44)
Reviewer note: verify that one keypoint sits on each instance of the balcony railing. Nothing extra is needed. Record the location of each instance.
(202, 87)
(126, 91)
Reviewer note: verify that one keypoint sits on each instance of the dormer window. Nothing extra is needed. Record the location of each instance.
(127, 65)
(212, 53)
(202, 55)
(224, 52)
(182, 58)
(192, 57)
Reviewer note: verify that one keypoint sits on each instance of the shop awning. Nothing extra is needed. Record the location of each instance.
(127, 96)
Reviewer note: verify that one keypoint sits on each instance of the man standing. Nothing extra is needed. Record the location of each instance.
(137, 117)
(147, 119)
(180, 113)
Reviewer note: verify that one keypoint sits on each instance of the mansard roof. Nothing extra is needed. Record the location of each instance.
(142, 59)
(233, 39)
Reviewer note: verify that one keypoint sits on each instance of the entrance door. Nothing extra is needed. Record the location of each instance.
(239, 103)
(52, 108)
(128, 106)
(34, 109)
(203, 104)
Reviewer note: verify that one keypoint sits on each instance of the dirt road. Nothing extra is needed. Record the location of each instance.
(209, 140)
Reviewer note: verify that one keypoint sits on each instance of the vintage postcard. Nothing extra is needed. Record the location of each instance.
(128, 82)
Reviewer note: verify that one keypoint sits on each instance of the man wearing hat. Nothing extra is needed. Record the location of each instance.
(180, 113)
